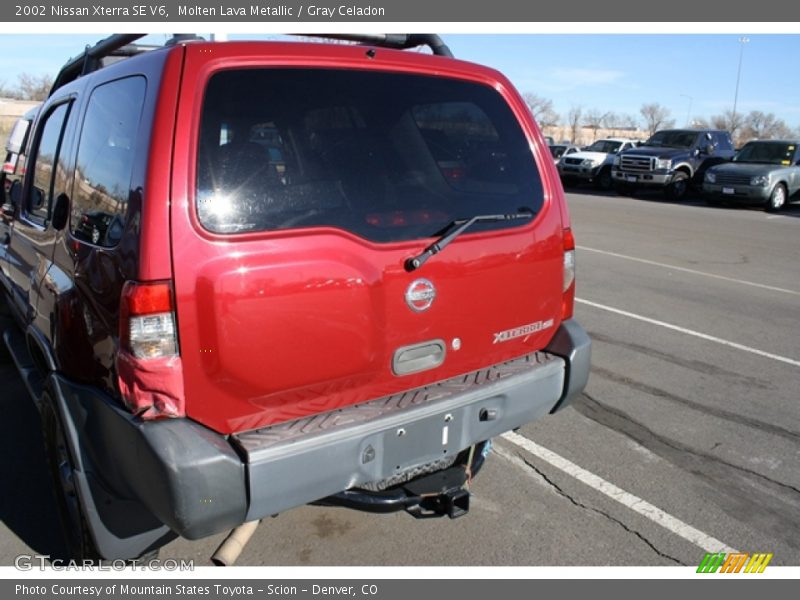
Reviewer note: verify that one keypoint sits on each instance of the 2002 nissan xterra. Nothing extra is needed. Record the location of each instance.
(253, 275)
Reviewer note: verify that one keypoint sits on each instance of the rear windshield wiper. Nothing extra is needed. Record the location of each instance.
(456, 228)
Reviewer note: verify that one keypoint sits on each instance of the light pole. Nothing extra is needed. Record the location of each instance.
(742, 41)
(689, 111)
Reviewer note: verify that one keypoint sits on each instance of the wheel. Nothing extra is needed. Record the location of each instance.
(678, 187)
(777, 199)
(604, 181)
(76, 531)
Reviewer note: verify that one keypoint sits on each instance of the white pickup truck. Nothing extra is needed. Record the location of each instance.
(593, 164)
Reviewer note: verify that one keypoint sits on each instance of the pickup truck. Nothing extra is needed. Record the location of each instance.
(673, 160)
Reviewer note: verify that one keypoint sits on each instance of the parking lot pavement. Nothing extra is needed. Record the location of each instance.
(687, 439)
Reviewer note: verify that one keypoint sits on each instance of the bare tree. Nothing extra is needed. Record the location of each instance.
(574, 122)
(729, 121)
(594, 120)
(655, 117)
(33, 87)
(759, 125)
(541, 109)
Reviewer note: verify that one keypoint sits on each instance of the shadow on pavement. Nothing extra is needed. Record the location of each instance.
(27, 504)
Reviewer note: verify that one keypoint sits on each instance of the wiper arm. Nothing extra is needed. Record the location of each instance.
(453, 230)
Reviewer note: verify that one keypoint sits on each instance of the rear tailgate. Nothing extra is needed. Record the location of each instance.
(306, 192)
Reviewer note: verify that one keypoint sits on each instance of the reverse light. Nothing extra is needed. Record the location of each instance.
(568, 289)
(147, 320)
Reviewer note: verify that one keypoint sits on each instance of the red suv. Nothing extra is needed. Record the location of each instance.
(254, 275)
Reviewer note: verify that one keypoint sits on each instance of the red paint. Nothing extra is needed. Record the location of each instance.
(278, 325)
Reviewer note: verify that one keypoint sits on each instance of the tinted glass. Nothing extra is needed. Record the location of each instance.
(773, 153)
(44, 172)
(105, 161)
(385, 156)
(673, 139)
(607, 146)
(723, 141)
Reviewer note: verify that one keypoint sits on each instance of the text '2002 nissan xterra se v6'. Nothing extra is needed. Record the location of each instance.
(254, 275)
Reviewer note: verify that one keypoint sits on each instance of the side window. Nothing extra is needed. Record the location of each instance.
(723, 141)
(46, 165)
(106, 153)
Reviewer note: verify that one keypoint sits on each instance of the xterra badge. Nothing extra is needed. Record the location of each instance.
(420, 295)
(521, 331)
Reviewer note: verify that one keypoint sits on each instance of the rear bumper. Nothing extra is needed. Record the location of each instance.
(199, 483)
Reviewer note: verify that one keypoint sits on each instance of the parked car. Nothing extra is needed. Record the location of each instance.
(593, 163)
(558, 151)
(673, 160)
(210, 341)
(14, 163)
(763, 172)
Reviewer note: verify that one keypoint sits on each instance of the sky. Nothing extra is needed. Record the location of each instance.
(692, 75)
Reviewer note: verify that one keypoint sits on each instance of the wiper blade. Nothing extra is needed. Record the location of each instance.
(456, 228)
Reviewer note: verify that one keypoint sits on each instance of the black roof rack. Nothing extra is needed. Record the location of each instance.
(122, 45)
(91, 58)
(398, 41)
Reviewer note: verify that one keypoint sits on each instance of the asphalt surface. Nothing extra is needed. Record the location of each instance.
(686, 440)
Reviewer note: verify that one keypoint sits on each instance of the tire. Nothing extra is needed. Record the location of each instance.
(777, 199)
(678, 187)
(77, 536)
(604, 181)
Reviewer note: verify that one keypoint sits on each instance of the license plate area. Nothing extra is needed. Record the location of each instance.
(422, 442)
(631, 179)
(728, 190)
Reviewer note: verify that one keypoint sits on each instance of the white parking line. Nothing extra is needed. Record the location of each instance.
(636, 504)
(692, 271)
(704, 336)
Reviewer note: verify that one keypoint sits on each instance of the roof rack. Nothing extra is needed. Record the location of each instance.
(397, 41)
(91, 58)
(122, 45)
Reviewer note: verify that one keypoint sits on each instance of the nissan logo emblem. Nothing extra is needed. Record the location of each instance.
(420, 295)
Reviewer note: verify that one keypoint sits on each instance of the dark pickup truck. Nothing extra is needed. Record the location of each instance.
(673, 160)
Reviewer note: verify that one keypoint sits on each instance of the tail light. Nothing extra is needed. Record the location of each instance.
(149, 368)
(147, 320)
(568, 290)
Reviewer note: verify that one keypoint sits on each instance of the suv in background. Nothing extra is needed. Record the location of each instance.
(672, 160)
(593, 163)
(763, 172)
(249, 276)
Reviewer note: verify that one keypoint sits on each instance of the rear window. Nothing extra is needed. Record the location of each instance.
(385, 156)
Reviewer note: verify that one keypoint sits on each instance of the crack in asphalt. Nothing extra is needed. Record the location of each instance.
(694, 365)
(788, 434)
(602, 513)
(681, 447)
(745, 494)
